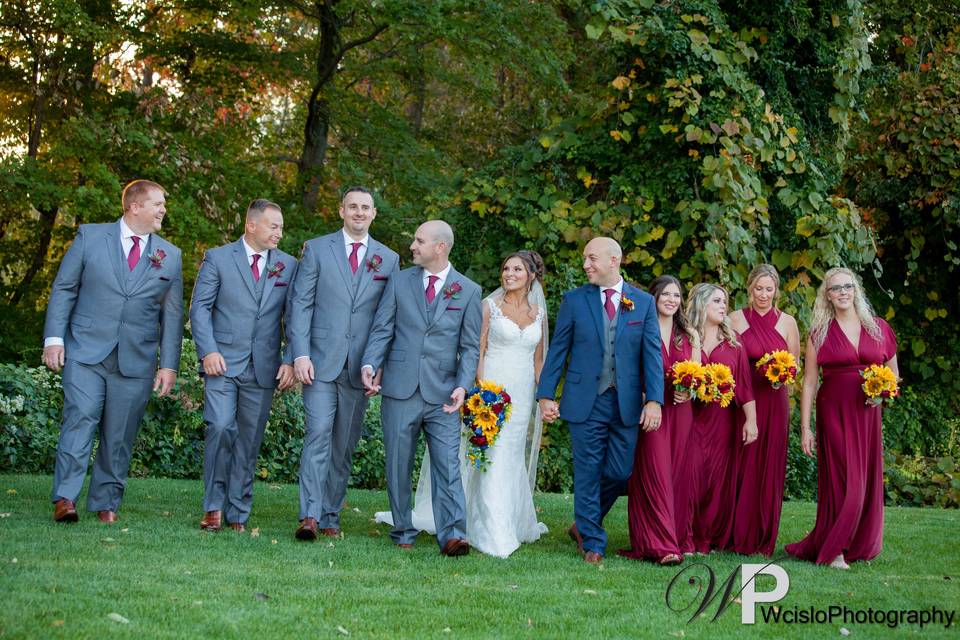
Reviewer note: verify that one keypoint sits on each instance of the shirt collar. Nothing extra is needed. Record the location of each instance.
(126, 232)
(250, 250)
(442, 274)
(348, 241)
(617, 287)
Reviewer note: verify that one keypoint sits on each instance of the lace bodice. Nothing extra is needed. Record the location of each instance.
(507, 343)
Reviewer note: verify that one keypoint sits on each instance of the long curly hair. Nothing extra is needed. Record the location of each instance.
(823, 312)
(681, 326)
(697, 301)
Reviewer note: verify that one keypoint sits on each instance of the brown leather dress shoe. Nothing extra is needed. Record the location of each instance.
(574, 534)
(592, 557)
(404, 545)
(331, 532)
(65, 511)
(456, 547)
(239, 527)
(211, 521)
(307, 530)
(107, 517)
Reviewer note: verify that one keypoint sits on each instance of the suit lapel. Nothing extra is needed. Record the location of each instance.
(144, 265)
(444, 300)
(629, 293)
(115, 251)
(271, 281)
(339, 253)
(366, 275)
(593, 303)
(240, 259)
(417, 290)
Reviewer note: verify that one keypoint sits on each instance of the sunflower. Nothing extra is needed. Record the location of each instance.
(485, 419)
(874, 386)
(475, 403)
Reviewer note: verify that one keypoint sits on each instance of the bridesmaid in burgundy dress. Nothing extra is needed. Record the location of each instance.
(659, 490)
(845, 338)
(762, 470)
(716, 440)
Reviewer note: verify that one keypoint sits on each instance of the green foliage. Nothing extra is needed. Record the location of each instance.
(921, 481)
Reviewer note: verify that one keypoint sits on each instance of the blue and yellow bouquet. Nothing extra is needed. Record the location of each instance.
(485, 410)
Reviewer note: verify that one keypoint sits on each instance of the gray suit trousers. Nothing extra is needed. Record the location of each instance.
(402, 422)
(236, 412)
(334, 420)
(98, 400)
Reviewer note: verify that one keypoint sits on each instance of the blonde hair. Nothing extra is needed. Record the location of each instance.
(763, 271)
(137, 191)
(697, 312)
(823, 312)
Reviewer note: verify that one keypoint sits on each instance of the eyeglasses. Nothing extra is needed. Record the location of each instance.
(837, 288)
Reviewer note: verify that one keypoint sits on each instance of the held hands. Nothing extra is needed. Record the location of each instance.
(651, 416)
(376, 383)
(371, 382)
(214, 364)
(303, 370)
(163, 382)
(456, 399)
(679, 397)
(53, 357)
(808, 442)
(549, 410)
(749, 431)
(286, 377)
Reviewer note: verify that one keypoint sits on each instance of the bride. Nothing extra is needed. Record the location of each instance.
(499, 501)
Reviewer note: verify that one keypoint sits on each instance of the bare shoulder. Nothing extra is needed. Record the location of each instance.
(739, 321)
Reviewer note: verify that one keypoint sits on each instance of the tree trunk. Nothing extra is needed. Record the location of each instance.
(47, 219)
(314, 153)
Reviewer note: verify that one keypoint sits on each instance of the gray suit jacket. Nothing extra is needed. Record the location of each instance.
(436, 353)
(97, 304)
(227, 316)
(328, 322)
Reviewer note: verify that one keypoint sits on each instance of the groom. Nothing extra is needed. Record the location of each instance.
(599, 326)
(426, 336)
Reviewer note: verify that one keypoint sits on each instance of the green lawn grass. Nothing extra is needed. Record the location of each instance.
(170, 580)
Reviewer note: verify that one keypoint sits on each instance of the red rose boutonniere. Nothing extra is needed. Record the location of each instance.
(156, 259)
(626, 303)
(373, 264)
(453, 291)
(276, 269)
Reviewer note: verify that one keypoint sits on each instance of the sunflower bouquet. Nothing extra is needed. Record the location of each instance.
(778, 367)
(688, 376)
(880, 385)
(718, 385)
(485, 410)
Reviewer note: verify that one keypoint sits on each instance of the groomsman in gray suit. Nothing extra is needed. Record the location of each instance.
(341, 278)
(116, 301)
(236, 315)
(426, 336)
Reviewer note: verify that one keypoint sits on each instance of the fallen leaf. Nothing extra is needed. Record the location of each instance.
(57, 623)
(844, 631)
(13, 561)
(11, 491)
(590, 592)
(188, 572)
(342, 630)
(357, 510)
(255, 532)
(4, 515)
(116, 617)
(329, 545)
(107, 540)
(446, 629)
(738, 600)
(529, 622)
(678, 634)
(511, 586)
(274, 541)
(125, 530)
(260, 596)
(167, 514)
(198, 603)
(373, 533)
(330, 563)
(275, 487)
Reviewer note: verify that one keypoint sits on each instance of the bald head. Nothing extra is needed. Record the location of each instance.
(432, 244)
(601, 261)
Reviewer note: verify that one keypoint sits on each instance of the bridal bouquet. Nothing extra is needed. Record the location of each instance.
(485, 410)
(778, 367)
(688, 376)
(718, 385)
(880, 385)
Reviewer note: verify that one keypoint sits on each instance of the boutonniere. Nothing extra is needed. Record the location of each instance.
(373, 264)
(156, 259)
(276, 269)
(626, 303)
(453, 291)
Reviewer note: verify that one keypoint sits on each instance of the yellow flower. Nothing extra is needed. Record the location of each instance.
(474, 403)
(490, 385)
(485, 418)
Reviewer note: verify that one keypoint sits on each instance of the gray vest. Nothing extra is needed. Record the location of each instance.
(608, 371)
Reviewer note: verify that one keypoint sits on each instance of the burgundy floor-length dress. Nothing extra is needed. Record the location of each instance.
(659, 491)
(763, 464)
(849, 452)
(714, 446)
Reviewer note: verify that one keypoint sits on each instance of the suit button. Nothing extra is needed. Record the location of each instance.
(348, 336)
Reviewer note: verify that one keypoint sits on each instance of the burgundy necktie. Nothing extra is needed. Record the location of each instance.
(134, 256)
(431, 294)
(608, 304)
(353, 256)
(254, 268)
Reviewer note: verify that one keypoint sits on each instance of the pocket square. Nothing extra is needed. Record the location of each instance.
(454, 308)
(280, 284)
(381, 277)
(165, 279)
(634, 322)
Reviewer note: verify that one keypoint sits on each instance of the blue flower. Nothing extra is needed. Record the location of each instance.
(489, 397)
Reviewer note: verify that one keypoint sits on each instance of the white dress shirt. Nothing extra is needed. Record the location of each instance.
(438, 285)
(361, 252)
(250, 252)
(618, 288)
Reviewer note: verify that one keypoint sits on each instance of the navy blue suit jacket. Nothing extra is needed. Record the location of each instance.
(577, 347)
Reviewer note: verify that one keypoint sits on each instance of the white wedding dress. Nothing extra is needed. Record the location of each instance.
(499, 501)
